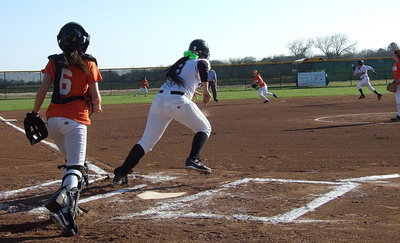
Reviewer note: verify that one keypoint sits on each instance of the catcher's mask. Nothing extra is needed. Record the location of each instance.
(72, 36)
(200, 47)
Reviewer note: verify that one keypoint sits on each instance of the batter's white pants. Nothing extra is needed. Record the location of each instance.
(70, 137)
(365, 82)
(166, 107)
(264, 91)
(397, 95)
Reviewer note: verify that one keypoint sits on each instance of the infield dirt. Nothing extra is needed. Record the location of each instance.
(250, 139)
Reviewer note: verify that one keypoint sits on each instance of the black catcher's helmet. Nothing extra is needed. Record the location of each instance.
(360, 62)
(200, 47)
(72, 36)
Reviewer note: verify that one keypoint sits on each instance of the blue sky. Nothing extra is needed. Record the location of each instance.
(131, 33)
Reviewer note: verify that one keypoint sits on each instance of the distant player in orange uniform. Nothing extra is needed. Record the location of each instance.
(396, 77)
(143, 86)
(74, 76)
(262, 86)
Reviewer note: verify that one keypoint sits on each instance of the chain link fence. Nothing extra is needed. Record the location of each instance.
(24, 84)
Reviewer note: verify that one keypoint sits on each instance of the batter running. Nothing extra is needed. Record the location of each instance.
(362, 71)
(174, 101)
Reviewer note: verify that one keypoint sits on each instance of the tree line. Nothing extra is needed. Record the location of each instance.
(335, 46)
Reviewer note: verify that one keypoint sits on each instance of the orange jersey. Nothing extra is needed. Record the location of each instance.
(396, 71)
(73, 82)
(259, 81)
(145, 83)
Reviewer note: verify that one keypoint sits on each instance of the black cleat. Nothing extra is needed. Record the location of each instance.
(195, 164)
(64, 220)
(266, 101)
(273, 94)
(379, 97)
(119, 177)
(395, 119)
(361, 97)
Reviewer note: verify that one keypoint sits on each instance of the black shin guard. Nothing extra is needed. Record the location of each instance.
(132, 159)
(199, 140)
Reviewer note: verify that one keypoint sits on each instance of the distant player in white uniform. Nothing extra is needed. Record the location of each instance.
(362, 70)
(174, 101)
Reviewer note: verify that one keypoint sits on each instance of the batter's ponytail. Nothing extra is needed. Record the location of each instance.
(172, 73)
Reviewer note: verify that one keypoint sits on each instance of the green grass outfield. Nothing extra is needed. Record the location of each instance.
(224, 93)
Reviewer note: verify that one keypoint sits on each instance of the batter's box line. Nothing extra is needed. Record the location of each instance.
(174, 208)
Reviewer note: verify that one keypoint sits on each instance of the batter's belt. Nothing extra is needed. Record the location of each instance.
(174, 92)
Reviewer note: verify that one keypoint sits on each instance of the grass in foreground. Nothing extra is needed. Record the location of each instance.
(224, 93)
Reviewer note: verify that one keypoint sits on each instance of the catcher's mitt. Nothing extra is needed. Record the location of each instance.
(391, 87)
(35, 128)
(254, 86)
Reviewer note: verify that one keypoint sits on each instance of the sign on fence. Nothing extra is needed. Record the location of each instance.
(311, 79)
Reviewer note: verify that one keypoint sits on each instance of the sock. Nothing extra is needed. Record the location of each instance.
(398, 109)
(199, 140)
(70, 181)
(361, 92)
(376, 92)
(132, 159)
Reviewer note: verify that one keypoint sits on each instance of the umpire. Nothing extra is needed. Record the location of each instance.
(212, 83)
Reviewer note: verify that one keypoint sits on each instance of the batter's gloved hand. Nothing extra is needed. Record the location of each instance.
(35, 128)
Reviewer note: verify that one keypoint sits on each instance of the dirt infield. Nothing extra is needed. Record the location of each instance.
(293, 170)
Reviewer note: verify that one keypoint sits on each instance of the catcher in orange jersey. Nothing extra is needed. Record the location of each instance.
(143, 86)
(262, 86)
(74, 76)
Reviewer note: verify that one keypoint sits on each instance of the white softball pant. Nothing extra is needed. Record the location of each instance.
(365, 82)
(70, 137)
(140, 91)
(264, 91)
(166, 107)
(397, 95)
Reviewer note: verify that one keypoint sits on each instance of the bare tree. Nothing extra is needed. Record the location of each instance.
(392, 47)
(336, 45)
(300, 48)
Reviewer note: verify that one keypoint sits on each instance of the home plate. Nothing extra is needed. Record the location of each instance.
(159, 195)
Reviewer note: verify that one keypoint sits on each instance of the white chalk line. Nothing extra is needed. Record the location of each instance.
(40, 210)
(6, 194)
(175, 208)
(324, 119)
(372, 178)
